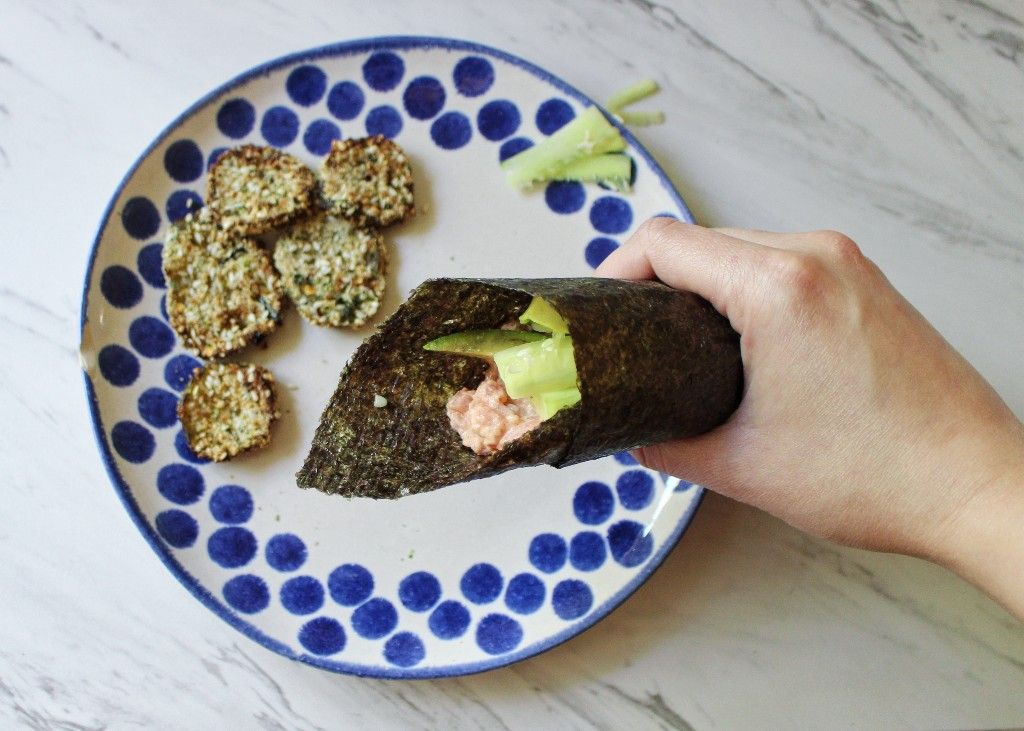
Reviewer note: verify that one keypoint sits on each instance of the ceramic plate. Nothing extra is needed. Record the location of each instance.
(455, 581)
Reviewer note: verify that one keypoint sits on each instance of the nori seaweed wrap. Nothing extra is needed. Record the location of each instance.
(653, 363)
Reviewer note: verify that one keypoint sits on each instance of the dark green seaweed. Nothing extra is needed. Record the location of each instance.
(654, 364)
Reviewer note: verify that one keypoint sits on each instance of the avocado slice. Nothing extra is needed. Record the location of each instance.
(482, 343)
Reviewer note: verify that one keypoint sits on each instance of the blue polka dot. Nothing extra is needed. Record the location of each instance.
(150, 264)
(236, 117)
(345, 100)
(150, 337)
(322, 636)
(384, 120)
(231, 547)
(497, 634)
(178, 371)
(181, 446)
(287, 552)
(525, 594)
(302, 595)
(419, 591)
(548, 552)
(587, 551)
(231, 504)
(498, 119)
(247, 593)
(683, 486)
(280, 126)
(596, 252)
(163, 308)
(375, 619)
(629, 546)
(140, 218)
(571, 599)
(611, 215)
(180, 203)
(449, 621)
(554, 114)
(451, 130)
(593, 503)
(180, 483)
(306, 85)
(383, 71)
(177, 527)
(118, 365)
(132, 441)
(350, 584)
(473, 76)
(512, 147)
(121, 287)
(319, 135)
(424, 97)
(214, 156)
(635, 489)
(481, 583)
(183, 161)
(564, 196)
(626, 458)
(404, 650)
(158, 407)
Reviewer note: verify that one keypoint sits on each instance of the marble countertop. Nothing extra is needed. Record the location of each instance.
(900, 123)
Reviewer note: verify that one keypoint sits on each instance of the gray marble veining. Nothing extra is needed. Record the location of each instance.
(901, 123)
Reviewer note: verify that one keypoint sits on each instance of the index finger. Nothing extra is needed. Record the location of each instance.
(720, 268)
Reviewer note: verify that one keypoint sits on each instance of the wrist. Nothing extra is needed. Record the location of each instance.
(984, 543)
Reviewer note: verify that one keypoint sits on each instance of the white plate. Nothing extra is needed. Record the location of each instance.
(455, 581)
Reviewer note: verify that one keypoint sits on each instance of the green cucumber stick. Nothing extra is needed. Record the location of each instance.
(578, 138)
(481, 343)
(540, 315)
(642, 119)
(550, 403)
(613, 169)
(636, 92)
(535, 368)
(611, 144)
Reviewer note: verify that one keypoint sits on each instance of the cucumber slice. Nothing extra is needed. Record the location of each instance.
(609, 144)
(535, 368)
(582, 137)
(550, 403)
(642, 119)
(481, 343)
(632, 95)
(611, 169)
(540, 315)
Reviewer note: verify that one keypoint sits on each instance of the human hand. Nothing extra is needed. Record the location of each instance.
(859, 422)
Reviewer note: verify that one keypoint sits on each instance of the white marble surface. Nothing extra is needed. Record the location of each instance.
(899, 123)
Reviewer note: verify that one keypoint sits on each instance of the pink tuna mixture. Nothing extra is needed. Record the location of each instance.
(487, 419)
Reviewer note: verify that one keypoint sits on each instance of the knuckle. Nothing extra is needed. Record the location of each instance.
(663, 238)
(659, 231)
(800, 275)
(841, 247)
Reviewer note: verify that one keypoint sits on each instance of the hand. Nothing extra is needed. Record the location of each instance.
(859, 422)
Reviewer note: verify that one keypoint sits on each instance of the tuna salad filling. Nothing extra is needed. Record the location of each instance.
(532, 376)
(486, 418)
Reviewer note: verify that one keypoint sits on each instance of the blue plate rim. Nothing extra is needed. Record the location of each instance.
(123, 490)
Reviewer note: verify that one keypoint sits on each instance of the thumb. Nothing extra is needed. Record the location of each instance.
(704, 460)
